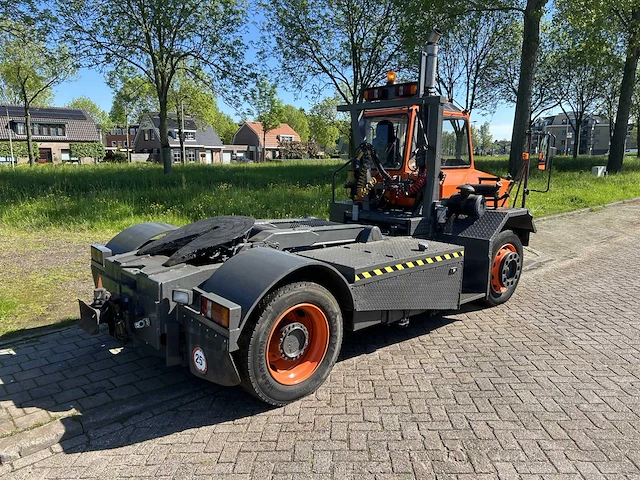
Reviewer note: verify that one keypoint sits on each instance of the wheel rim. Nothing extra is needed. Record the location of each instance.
(505, 269)
(297, 344)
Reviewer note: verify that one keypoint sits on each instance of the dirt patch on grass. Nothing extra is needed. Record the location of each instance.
(43, 274)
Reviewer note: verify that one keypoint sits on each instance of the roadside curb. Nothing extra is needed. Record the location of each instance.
(15, 449)
(586, 210)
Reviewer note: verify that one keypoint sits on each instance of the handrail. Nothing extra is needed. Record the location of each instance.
(333, 181)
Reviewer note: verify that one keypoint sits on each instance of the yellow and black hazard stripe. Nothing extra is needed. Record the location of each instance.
(412, 264)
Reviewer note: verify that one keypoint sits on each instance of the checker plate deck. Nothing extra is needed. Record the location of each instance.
(390, 255)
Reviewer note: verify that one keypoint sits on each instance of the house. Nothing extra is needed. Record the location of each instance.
(117, 138)
(201, 145)
(594, 133)
(251, 134)
(55, 131)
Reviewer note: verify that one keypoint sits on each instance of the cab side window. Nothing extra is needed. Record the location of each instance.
(455, 143)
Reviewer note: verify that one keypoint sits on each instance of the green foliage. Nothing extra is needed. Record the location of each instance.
(99, 116)
(20, 149)
(347, 46)
(87, 149)
(117, 157)
(298, 149)
(133, 96)
(297, 119)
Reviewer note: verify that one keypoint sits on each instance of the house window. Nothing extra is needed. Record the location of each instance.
(45, 129)
(118, 131)
(153, 134)
(35, 129)
(189, 135)
(113, 143)
(132, 131)
(113, 131)
(176, 156)
(65, 155)
(119, 143)
(146, 135)
(286, 138)
(61, 131)
(191, 155)
(21, 129)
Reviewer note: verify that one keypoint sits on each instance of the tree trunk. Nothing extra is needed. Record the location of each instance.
(576, 139)
(27, 124)
(165, 149)
(530, 46)
(264, 145)
(638, 136)
(616, 151)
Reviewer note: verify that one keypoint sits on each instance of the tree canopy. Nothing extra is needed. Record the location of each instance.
(99, 116)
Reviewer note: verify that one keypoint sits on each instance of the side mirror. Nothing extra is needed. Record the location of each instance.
(547, 151)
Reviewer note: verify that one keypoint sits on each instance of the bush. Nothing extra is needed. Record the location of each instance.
(19, 149)
(87, 149)
(117, 157)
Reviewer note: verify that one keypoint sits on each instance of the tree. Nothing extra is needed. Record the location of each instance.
(297, 119)
(506, 76)
(621, 20)
(99, 116)
(347, 45)
(581, 63)
(267, 109)
(133, 96)
(158, 40)
(29, 69)
(324, 125)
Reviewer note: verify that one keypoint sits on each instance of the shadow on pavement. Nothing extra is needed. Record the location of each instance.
(116, 394)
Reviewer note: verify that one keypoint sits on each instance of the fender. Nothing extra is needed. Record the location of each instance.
(134, 237)
(248, 276)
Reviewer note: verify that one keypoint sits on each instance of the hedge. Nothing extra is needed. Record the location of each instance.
(19, 149)
(87, 149)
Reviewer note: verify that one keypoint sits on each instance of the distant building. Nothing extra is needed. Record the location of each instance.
(202, 145)
(117, 138)
(52, 128)
(594, 134)
(251, 134)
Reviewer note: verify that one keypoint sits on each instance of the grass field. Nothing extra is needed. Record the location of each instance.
(50, 214)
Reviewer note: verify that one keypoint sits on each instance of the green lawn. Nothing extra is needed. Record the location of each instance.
(50, 214)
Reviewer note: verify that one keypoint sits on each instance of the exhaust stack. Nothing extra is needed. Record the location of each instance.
(429, 65)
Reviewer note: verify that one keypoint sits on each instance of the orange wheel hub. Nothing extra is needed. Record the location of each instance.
(297, 344)
(505, 268)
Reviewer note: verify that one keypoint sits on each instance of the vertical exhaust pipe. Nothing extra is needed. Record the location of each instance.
(429, 65)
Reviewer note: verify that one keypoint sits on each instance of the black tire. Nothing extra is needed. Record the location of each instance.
(256, 372)
(512, 266)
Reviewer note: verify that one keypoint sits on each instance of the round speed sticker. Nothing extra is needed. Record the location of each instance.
(199, 360)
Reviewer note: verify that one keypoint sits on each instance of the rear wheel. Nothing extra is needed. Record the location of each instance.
(292, 343)
(506, 267)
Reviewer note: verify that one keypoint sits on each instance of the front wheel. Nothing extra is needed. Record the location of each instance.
(506, 267)
(292, 343)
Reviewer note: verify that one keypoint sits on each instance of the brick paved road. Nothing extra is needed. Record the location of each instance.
(547, 386)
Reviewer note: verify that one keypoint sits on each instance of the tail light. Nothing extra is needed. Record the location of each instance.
(214, 312)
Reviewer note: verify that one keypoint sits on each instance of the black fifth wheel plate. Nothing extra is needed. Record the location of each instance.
(207, 234)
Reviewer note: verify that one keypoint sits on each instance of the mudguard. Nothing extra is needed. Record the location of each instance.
(134, 237)
(248, 276)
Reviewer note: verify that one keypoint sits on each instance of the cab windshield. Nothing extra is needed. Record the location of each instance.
(387, 134)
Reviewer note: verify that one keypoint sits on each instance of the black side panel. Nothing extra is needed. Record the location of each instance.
(436, 287)
(477, 234)
(133, 238)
